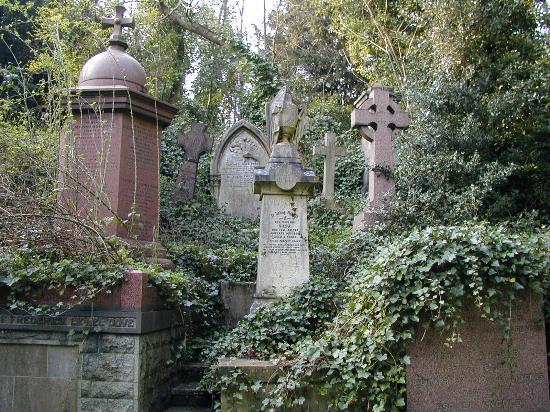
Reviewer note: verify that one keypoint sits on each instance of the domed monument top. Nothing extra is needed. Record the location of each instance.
(114, 67)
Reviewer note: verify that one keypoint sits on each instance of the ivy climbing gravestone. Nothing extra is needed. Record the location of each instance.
(284, 186)
(195, 143)
(482, 372)
(377, 115)
(241, 149)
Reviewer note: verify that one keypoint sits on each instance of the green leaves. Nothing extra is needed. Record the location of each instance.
(357, 355)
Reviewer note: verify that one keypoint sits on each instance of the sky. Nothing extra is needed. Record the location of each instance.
(253, 14)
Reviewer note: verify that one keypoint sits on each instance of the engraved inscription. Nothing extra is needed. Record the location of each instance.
(285, 236)
(69, 321)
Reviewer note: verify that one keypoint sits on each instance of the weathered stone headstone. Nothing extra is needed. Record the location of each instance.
(195, 143)
(109, 163)
(242, 148)
(365, 149)
(376, 114)
(284, 186)
(482, 373)
(330, 151)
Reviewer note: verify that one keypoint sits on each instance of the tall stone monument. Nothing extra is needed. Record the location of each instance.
(109, 161)
(195, 143)
(377, 115)
(283, 185)
(241, 149)
(330, 151)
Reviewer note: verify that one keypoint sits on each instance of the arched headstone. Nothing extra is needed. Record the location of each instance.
(242, 148)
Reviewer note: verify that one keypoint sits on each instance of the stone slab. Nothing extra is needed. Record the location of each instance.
(241, 150)
(45, 394)
(237, 298)
(481, 373)
(283, 253)
(267, 373)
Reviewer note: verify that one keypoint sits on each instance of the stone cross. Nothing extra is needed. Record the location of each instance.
(118, 21)
(376, 114)
(330, 151)
(195, 142)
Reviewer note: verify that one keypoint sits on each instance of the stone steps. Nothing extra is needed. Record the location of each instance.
(186, 396)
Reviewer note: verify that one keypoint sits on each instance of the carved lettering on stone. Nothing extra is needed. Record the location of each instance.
(241, 150)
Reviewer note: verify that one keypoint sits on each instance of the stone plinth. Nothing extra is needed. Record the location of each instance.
(482, 373)
(267, 373)
(109, 164)
(237, 298)
(107, 354)
(242, 148)
(283, 257)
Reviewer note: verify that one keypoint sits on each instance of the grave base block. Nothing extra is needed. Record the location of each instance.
(112, 353)
(483, 373)
(267, 373)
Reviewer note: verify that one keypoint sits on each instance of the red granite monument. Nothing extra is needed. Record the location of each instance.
(110, 161)
(377, 115)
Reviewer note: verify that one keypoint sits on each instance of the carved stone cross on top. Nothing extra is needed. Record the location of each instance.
(330, 151)
(376, 114)
(195, 143)
(117, 23)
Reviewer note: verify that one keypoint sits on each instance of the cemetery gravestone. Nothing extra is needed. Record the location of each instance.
(283, 185)
(482, 373)
(330, 151)
(110, 162)
(376, 114)
(110, 352)
(242, 148)
(195, 143)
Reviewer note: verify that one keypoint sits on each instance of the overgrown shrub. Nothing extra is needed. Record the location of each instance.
(421, 280)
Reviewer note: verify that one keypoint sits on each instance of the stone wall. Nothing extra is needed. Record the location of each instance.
(53, 371)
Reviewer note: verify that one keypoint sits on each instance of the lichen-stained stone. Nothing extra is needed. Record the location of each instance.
(107, 405)
(108, 367)
(108, 390)
(241, 149)
(118, 344)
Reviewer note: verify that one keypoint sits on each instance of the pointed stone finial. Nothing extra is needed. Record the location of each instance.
(117, 23)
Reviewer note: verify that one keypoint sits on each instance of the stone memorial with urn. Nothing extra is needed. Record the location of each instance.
(109, 161)
(284, 186)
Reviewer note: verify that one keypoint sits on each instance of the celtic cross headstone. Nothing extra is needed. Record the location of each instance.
(195, 143)
(377, 115)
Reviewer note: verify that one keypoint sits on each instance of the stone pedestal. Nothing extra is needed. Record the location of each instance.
(109, 162)
(107, 354)
(283, 256)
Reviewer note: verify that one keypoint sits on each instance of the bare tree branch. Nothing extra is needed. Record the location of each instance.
(189, 25)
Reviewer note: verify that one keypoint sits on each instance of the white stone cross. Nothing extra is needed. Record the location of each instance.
(330, 151)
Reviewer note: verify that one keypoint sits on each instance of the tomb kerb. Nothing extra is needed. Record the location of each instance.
(284, 186)
(109, 164)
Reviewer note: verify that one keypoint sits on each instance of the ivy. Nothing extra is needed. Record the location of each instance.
(421, 280)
